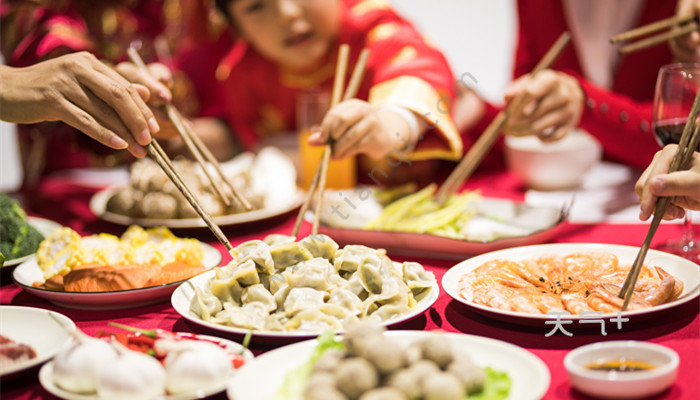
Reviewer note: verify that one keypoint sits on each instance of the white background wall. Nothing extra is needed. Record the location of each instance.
(10, 167)
(478, 36)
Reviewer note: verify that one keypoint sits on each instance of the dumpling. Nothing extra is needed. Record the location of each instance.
(320, 246)
(205, 304)
(300, 299)
(317, 273)
(259, 252)
(226, 288)
(349, 257)
(277, 238)
(312, 320)
(245, 273)
(288, 254)
(346, 299)
(249, 316)
(258, 293)
(417, 278)
(373, 270)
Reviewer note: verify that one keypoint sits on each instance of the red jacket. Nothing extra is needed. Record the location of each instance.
(620, 117)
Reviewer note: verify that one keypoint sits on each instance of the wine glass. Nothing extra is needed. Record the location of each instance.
(676, 88)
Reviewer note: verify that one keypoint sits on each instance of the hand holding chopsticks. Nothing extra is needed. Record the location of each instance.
(156, 152)
(319, 182)
(681, 161)
(677, 26)
(476, 153)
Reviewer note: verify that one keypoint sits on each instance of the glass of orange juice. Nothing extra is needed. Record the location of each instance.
(311, 108)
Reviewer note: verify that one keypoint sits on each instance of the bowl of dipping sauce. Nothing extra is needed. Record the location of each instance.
(625, 369)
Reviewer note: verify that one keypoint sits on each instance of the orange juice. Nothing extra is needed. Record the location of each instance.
(341, 173)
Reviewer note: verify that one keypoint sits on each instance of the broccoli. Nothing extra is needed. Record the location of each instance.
(17, 237)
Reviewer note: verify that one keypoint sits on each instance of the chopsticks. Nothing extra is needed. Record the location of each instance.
(476, 153)
(681, 161)
(161, 158)
(195, 145)
(319, 182)
(680, 25)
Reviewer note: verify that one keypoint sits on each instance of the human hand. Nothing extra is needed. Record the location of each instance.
(655, 182)
(553, 104)
(359, 127)
(83, 92)
(686, 48)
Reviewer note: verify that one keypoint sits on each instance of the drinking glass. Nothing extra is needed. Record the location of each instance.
(311, 108)
(676, 88)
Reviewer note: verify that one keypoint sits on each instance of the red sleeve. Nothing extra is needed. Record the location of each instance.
(622, 125)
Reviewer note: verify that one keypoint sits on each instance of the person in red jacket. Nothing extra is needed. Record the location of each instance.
(286, 48)
(591, 85)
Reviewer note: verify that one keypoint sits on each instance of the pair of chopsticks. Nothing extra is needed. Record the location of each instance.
(476, 153)
(678, 26)
(196, 146)
(319, 182)
(681, 161)
(198, 149)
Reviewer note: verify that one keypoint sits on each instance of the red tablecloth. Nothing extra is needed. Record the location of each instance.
(678, 328)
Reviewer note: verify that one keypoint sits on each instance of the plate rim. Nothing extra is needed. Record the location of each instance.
(452, 275)
(46, 373)
(536, 362)
(32, 221)
(75, 299)
(98, 206)
(427, 302)
(70, 325)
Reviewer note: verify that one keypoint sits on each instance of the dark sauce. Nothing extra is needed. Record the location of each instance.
(621, 365)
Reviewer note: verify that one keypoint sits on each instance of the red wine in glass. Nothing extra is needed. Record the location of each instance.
(669, 131)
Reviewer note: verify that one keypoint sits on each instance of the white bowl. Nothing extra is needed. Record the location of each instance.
(552, 166)
(622, 385)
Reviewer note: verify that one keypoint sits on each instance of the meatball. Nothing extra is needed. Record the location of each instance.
(443, 386)
(405, 381)
(436, 350)
(385, 393)
(158, 205)
(323, 392)
(355, 376)
(383, 353)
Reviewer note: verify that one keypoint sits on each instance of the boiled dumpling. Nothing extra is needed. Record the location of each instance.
(320, 246)
(259, 252)
(258, 293)
(287, 254)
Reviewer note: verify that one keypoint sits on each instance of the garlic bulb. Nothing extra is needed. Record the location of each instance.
(193, 365)
(131, 376)
(75, 367)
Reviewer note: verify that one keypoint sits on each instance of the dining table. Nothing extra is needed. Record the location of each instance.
(61, 199)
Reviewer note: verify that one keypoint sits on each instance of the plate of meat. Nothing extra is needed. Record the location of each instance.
(29, 337)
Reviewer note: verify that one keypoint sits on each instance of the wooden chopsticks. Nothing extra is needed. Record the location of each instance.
(319, 182)
(195, 145)
(681, 161)
(476, 153)
(161, 158)
(679, 26)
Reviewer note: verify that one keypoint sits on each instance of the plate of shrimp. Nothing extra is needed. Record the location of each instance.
(569, 281)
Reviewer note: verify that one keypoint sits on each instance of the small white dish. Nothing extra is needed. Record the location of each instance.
(627, 384)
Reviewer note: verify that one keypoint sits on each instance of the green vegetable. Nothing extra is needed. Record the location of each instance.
(295, 381)
(2, 260)
(17, 237)
(420, 213)
(497, 386)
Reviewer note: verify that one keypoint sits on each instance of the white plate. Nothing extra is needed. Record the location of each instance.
(29, 272)
(686, 270)
(37, 329)
(98, 205)
(45, 227)
(262, 378)
(183, 295)
(46, 377)
(499, 224)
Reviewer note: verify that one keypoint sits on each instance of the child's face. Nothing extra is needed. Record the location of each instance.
(294, 33)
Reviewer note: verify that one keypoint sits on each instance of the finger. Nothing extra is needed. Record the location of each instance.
(549, 104)
(346, 145)
(341, 118)
(122, 97)
(162, 74)
(680, 183)
(160, 94)
(86, 123)
(554, 119)
(143, 91)
(106, 116)
(673, 212)
(554, 134)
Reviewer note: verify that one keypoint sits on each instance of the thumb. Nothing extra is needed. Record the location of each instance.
(143, 92)
(680, 183)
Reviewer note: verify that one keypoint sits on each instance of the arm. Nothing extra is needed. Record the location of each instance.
(84, 93)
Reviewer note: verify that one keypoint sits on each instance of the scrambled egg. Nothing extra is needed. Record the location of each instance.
(64, 250)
